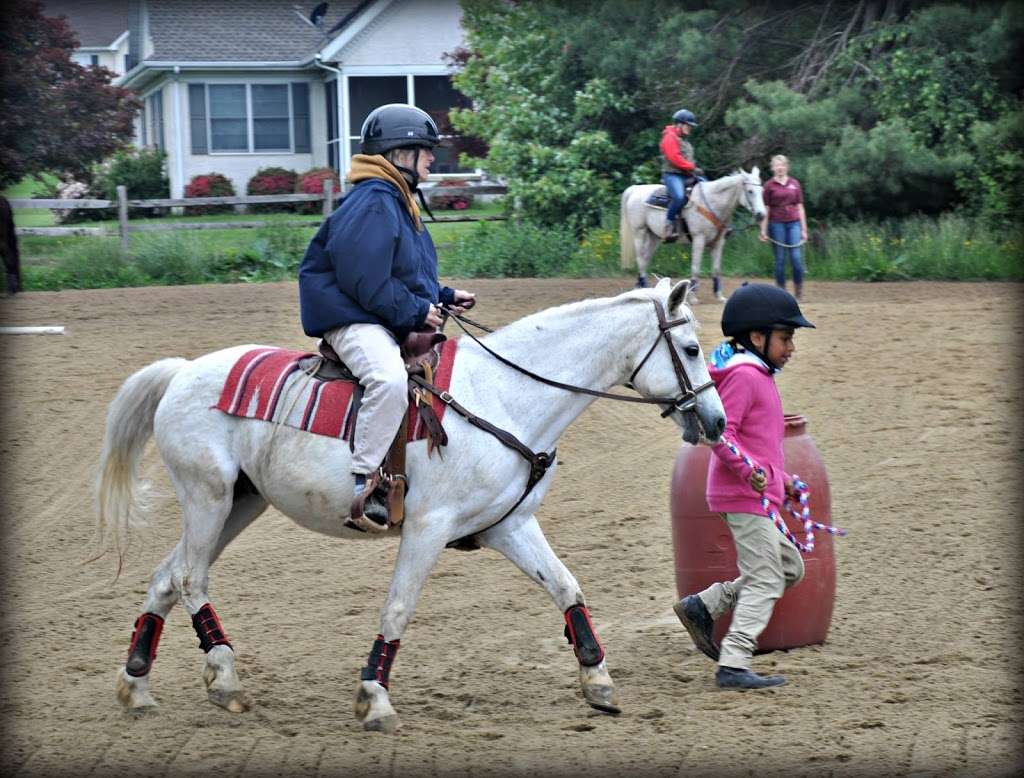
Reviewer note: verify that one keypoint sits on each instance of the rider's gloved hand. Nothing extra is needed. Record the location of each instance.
(434, 318)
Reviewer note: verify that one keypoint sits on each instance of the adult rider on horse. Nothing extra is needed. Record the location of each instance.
(369, 279)
(678, 166)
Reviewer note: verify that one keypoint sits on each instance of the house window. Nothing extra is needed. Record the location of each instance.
(94, 59)
(249, 118)
(434, 94)
(155, 106)
(437, 96)
(331, 96)
(229, 118)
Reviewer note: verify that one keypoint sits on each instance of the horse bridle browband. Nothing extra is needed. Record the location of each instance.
(539, 463)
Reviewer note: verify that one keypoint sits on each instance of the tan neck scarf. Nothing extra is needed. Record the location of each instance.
(367, 166)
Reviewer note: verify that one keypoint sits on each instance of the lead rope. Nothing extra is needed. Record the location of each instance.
(804, 498)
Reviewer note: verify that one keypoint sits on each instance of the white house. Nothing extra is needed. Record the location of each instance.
(102, 30)
(231, 86)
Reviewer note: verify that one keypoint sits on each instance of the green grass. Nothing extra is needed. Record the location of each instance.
(26, 189)
(951, 247)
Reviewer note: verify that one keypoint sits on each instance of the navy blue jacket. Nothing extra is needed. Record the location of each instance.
(368, 264)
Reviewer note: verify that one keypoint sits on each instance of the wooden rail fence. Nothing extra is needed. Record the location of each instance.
(122, 203)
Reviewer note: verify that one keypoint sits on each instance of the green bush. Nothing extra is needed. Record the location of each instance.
(515, 249)
(173, 258)
(97, 264)
(274, 256)
(140, 171)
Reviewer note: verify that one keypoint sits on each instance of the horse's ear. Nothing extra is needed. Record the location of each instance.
(663, 282)
(678, 295)
(756, 171)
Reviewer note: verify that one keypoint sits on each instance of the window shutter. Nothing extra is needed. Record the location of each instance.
(300, 117)
(197, 118)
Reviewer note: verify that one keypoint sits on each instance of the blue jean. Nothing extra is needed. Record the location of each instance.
(676, 185)
(789, 233)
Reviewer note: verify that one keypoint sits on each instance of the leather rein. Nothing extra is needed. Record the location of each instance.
(540, 462)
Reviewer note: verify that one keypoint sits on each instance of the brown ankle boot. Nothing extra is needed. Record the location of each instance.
(798, 291)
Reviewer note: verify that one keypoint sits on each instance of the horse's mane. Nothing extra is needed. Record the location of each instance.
(559, 313)
(725, 181)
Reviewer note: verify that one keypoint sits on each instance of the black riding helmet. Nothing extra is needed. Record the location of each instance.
(682, 116)
(396, 126)
(760, 308)
(400, 126)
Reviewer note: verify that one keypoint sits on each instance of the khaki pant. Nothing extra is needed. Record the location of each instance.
(373, 356)
(769, 564)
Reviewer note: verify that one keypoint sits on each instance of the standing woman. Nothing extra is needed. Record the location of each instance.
(786, 223)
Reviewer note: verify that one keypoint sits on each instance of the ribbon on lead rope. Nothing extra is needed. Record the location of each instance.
(803, 498)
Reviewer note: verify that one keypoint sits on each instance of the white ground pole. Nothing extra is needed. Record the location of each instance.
(55, 330)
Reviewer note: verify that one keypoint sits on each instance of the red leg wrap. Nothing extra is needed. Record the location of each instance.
(208, 628)
(145, 638)
(378, 664)
(579, 631)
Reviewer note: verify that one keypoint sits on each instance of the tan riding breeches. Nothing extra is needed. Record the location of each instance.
(769, 564)
(373, 356)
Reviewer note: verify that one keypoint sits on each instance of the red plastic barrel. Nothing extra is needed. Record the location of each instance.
(704, 551)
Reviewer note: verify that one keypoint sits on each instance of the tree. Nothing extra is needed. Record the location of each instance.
(885, 106)
(55, 115)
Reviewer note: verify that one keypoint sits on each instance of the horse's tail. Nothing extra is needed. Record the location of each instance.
(627, 246)
(120, 501)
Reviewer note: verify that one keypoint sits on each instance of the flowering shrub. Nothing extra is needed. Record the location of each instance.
(70, 189)
(312, 182)
(272, 181)
(209, 185)
(452, 202)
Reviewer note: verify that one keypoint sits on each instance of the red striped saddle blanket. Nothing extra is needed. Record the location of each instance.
(268, 384)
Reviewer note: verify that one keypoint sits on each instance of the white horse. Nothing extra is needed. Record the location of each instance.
(226, 470)
(708, 214)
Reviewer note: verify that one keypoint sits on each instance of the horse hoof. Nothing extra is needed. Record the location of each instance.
(602, 698)
(374, 709)
(235, 701)
(386, 724)
(133, 698)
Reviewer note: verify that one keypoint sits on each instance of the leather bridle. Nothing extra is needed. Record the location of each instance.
(686, 401)
(539, 462)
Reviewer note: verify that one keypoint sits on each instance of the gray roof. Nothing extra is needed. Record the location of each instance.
(95, 22)
(237, 30)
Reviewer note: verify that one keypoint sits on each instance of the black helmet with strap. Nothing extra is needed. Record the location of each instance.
(396, 126)
(760, 308)
(683, 116)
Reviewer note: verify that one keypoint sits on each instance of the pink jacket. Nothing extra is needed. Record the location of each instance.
(755, 424)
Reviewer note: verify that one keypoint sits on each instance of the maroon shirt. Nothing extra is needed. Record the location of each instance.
(783, 200)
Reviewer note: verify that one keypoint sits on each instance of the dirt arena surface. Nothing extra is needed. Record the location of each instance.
(912, 392)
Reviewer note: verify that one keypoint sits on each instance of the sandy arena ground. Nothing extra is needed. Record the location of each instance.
(912, 395)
